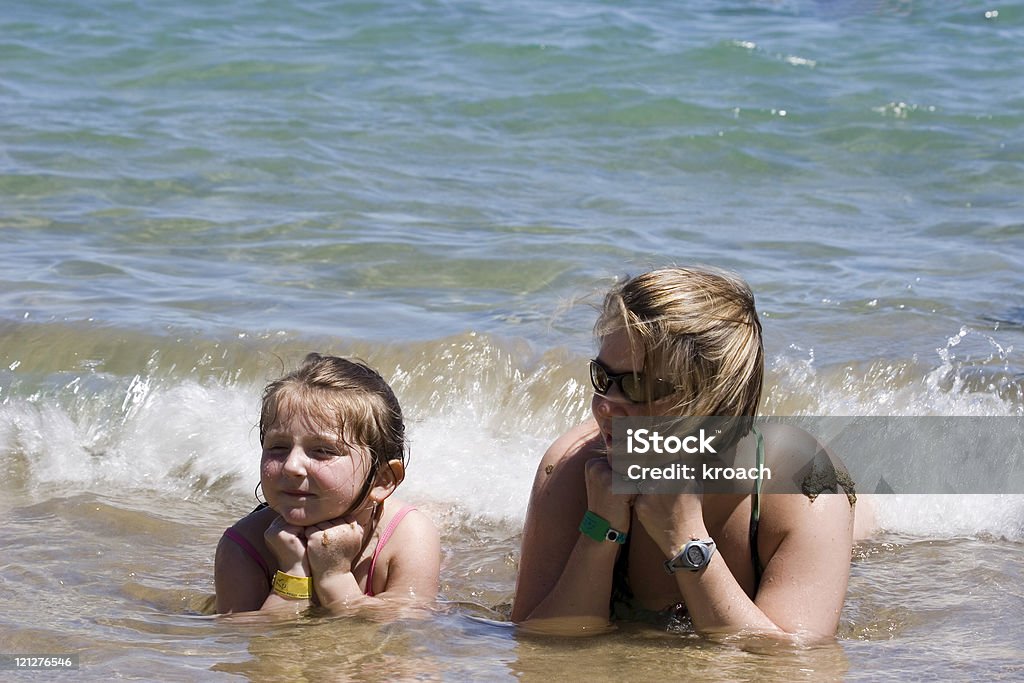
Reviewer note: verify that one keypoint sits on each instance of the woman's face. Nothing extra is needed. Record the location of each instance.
(619, 356)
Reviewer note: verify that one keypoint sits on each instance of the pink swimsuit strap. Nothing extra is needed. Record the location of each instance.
(390, 529)
(249, 550)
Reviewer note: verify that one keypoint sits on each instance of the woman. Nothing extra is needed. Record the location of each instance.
(673, 342)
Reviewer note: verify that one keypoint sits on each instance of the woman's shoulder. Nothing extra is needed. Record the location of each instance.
(559, 485)
(574, 448)
(794, 508)
(803, 464)
(780, 438)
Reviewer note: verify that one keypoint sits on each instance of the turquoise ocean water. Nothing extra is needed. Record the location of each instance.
(194, 195)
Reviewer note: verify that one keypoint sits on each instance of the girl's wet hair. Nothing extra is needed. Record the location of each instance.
(698, 329)
(348, 396)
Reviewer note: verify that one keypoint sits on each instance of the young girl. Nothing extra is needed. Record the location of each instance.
(329, 533)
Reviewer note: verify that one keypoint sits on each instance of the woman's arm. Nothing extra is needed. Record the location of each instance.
(807, 545)
(563, 574)
(803, 587)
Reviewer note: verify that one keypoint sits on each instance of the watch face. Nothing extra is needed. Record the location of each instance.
(695, 555)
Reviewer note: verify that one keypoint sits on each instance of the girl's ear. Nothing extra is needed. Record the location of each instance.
(388, 478)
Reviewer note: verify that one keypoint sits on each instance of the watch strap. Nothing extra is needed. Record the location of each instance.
(597, 527)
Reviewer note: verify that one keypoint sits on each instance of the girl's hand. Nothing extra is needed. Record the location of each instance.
(672, 519)
(333, 545)
(288, 544)
(614, 507)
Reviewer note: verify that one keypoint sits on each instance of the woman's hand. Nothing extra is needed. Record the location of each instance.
(613, 507)
(672, 519)
(288, 544)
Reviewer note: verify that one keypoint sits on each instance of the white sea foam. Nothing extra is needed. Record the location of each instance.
(899, 389)
(173, 438)
(472, 449)
(946, 516)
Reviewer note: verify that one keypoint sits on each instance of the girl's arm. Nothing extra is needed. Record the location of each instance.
(241, 569)
(288, 544)
(411, 571)
(565, 578)
(407, 570)
(240, 582)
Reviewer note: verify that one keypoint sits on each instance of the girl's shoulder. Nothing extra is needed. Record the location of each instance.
(401, 519)
(407, 559)
(244, 566)
(252, 526)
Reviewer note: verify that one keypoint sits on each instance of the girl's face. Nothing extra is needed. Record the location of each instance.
(307, 475)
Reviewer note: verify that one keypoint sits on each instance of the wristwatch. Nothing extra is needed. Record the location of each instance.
(598, 528)
(694, 556)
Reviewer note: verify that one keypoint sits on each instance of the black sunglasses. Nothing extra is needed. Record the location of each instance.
(633, 385)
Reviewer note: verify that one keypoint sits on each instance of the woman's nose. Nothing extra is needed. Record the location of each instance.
(605, 407)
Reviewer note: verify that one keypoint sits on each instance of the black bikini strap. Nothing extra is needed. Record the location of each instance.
(755, 510)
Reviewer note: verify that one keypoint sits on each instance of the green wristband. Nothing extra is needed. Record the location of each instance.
(596, 527)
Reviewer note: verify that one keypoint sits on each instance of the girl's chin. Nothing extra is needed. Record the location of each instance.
(299, 517)
(302, 515)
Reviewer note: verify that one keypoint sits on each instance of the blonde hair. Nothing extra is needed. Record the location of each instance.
(343, 395)
(699, 330)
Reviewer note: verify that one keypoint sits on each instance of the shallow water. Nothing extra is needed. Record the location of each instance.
(132, 598)
(193, 198)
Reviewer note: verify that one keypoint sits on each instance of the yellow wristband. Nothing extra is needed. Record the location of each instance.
(296, 587)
